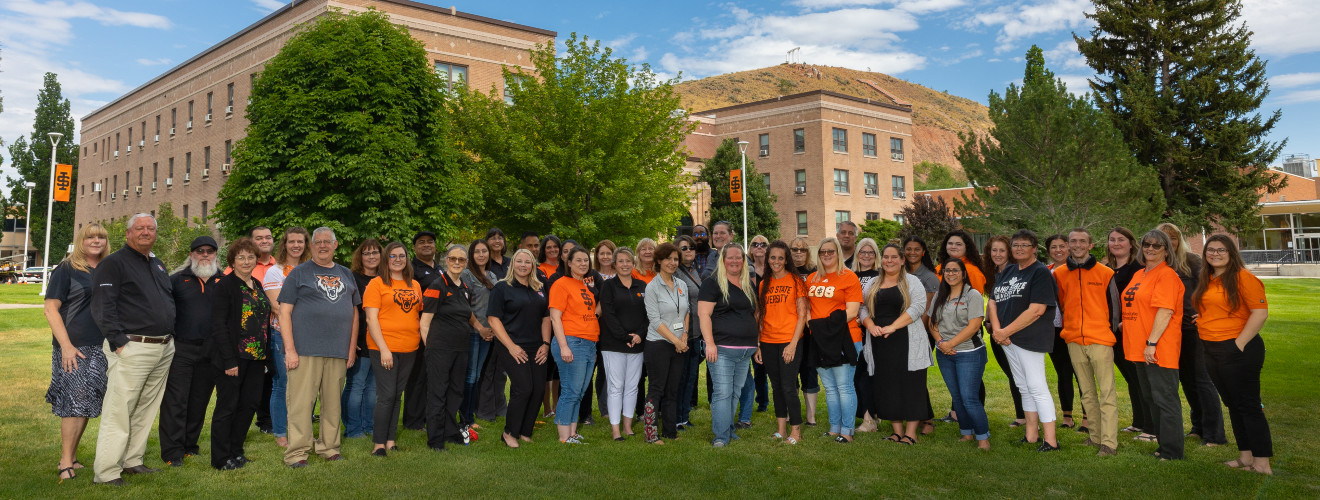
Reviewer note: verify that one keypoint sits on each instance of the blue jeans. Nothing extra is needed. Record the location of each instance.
(687, 384)
(962, 373)
(840, 395)
(747, 397)
(279, 408)
(728, 375)
(359, 399)
(574, 378)
(477, 351)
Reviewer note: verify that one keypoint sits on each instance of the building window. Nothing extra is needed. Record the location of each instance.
(170, 177)
(873, 216)
(174, 120)
(451, 74)
(895, 148)
(116, 144)
(203, 211)
(840, 140)
(766, 178)
(802, 223)
(155, 174)
(872, 183)
(800, 178)
(229, 102)
(510, 83)
(185, 213)
(190, 115)
(868, 144)
(130, 139)
(764, 141)
(900, 187)
(229, 149)
(140, 179)
(841, 216)
(899, 219)
(206, 160)
(187, 165)
(210, 104)
(799, 140)
(840, 181)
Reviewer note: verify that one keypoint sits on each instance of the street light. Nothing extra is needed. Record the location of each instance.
(742, 150)
(50, 206)
(27, 223)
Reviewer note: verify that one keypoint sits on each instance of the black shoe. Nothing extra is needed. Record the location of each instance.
(1045, 447)
(119, 481)
(316, 417)
(298, 465)
(265, 429)
(178, 462)
(1082, 429)
(231, 464)
(761, 408)
(140, 469)
(242, 460)
(588, 421)
(379, 452)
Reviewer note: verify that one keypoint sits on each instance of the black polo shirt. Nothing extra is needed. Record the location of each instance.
(520, 309)
(447, 300)
(423, 272)
(131, 295)
(192, 305)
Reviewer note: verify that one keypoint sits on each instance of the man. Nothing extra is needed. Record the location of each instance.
(424, 269)
(133, 305)
(701, 236)
(847, 236)
(414, 393)
(720, 234)
(191, 378)
(499, 264)
(1082, 284)
(530, 241)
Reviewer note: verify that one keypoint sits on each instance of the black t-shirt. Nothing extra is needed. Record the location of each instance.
(448, 300)
(1017, 289)
(520, 309)
(623, 311)
(733, 322)
(73, 288)
(362, 280)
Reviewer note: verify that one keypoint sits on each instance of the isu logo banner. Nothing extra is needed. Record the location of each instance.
(735, 186)
(63, 182)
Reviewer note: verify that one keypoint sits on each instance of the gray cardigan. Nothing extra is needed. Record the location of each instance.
(919, 355)
(666, 307)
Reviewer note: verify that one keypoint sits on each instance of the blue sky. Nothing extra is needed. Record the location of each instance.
(103, 48)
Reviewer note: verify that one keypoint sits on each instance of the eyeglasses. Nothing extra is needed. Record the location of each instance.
(798, 250)
(699, 235)
(760, 244)
(1023, 245)
(371, 253)
(827, 252)
(684, 248)
(398, 257)
(456, 259)
(205, 251)
(866, 252)
(323, 243)
(1215, 251)
(1151, 244)
(245, 258)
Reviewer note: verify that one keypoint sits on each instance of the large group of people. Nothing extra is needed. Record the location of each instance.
(426, 338)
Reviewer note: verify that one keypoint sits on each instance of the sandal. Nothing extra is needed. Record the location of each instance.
(77, 464)
(1131, 428)
(908, 440)
(841, 439)
(1237, 464)
(66, 470)
(1017, 424)
(776, 436)
(1149, 438)
(790, 440)
(895, 438)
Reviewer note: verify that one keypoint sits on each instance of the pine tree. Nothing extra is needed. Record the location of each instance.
(762, 218)
(32, 160)
(1184, 87)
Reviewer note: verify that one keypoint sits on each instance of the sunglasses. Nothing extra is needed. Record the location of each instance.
(760, 244)
(827, 252)
(684, 248)
(1151, 244)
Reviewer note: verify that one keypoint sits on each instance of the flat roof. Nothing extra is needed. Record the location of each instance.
(808, 94)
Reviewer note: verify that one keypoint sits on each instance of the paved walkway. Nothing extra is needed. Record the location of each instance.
(20, 306)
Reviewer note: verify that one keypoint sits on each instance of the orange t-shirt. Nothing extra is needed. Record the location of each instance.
(548, 268)
(1217, 322)
(1147, 293)
(646, 278)
(974, 275)
(400, 313)
(833, 292)
(781, 309)
(578, 304)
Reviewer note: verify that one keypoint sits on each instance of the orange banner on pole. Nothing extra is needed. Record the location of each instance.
(735, 186)
(63, 181)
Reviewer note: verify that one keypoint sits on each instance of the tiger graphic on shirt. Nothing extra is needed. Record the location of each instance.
(331, 285)
(406, 299)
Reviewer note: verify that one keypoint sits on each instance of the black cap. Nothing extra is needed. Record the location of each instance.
(420, 234)
(202, 241)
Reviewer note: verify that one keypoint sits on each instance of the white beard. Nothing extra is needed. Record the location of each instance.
(205, 271)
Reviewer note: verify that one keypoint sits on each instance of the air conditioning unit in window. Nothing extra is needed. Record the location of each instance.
(112, 196)
(224, 168)
(229, 110)
(142, 143)
(153, 185)
(116, 154)
(130, 148)
(171, 131)
(125, 192)
(169, 181)
(187, 176)
(157, 137)
(138, 189)
(208, 118)
(872, 191)
(896, 156)
(206, 172)
(189, 124)
(96, 187)
(801, 190)
(902, 195)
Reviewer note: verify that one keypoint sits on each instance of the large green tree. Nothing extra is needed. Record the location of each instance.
(928, 218)
(762, 218)
(1053, 161)
(1184, 88)
(32, 160)
(347, 129)
(589, 147)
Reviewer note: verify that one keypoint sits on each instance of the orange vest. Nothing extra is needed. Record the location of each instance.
(1084, 304)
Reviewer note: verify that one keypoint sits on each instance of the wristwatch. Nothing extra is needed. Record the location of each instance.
(1151, 344)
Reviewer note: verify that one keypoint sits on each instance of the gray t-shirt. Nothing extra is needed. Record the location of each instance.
(323, 299)
(957, 313)
(928, 279)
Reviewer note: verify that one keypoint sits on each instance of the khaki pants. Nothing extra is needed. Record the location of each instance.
(315, 376)
(1094, 366)
(135, 384)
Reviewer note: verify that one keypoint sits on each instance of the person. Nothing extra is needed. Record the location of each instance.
(1231, 308)
(479, 279)
(783, 312)
(1207, 415)
(1152, 307)
(897, 347)
(960, 245)
(133, 306)
(77, 363)
(595, 383)
(866, 264)
(994, 260)
(574, 309)
(756, 250)
(530, 241)
(519, 315)
(721, 234)
(318, 318)
(1056, 247)
(549, 256)
(835, 296)
(916, 261)
(846, 233)
(690, 274)
(955, 325)
(425, 270)
(1021, 315)
(645, 268)
(761, 385)
(804, 264)
(240, 353)
(603, 258)
(265, 240)
(623, 318)
(667, 306)
(359, 399)
(1121, 255)
(499, 263)
(447, 319)
(424, 265)
(391, 303)
(727, 316)
(291, 252)
(192, 378)
(493, 382)
(701, 246)
(1082, 283)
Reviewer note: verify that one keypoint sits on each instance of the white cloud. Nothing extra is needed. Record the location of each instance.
(269, 5)
(1077, 84)
(1294, 80)
(154, 62)
(621, 42)
(1282, 27)
(86, 10)
(1022, 21)
(913, 6)
(1301, 96)
(1065, 55)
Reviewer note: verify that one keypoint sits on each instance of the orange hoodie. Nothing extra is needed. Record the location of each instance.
(1083, 302)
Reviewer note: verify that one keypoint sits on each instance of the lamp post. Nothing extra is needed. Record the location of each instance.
(742, 150)
(27, 223)
(50, 206)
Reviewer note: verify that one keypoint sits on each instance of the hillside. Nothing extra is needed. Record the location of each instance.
(937, 116)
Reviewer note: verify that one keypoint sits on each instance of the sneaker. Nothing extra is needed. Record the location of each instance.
(580, 437)
(588, 421)
(719, 444)
(1045, 447)
(298, 465)
(466, 435)
(573, 440)
(1106, 451)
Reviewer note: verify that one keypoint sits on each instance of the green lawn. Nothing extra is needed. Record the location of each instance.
(20, 294)
(937, 467)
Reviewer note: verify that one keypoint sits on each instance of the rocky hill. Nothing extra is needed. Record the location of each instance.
(938, 116)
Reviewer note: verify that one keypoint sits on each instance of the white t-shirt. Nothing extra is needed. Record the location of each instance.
(274, 280)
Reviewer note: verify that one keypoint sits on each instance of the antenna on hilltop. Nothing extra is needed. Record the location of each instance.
(794, 56)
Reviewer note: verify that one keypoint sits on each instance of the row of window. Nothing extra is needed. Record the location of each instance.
(103, 147)
(897, 183)
(840, 216)
(840, 138)
(103, 194)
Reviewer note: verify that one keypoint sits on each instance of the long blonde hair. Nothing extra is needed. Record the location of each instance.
(902, 278)
(821, 272)
(744, 279)
(1178, 260)
(78, 259)
(532, 281)
(857, 263)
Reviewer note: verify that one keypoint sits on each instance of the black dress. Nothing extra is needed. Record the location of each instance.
(898, 394)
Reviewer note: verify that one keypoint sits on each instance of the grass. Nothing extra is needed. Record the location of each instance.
(21, 294)
(755, 466)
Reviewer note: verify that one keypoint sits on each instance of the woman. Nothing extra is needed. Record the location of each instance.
(757, 251)
(1152, 337)
(549, 256)
(1021, 319)
(783, 312)
(691, 372)
(916, 261)
(289, 253)
(240, 319)
(574, 310)
(804, 265)
(77, 363)
(446, 322)
(960, 245)
(393, 336)
(866, 263)
(624, 317)
(955, 324)
(1231, 308)
(603, 258)
(499, 264)
(759, 392)
(518, 313)
(359, 400)
(1207, 416)
(995, 259)
(479, 279)
(666, 301)
(727, 315)
(645, 268)
(1056, 246)
(1121, 256)
(832, 288)
(897, 346)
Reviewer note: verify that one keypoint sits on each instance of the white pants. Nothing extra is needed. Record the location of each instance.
(622, 374)
(1028, 369)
